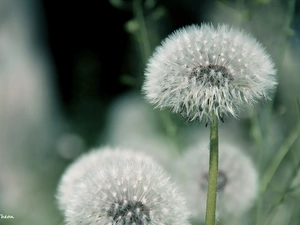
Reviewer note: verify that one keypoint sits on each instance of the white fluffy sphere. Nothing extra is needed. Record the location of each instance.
(87, 161)
(199, 71)
(119, 186)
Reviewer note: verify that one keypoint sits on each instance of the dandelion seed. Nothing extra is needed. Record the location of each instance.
(149, 196)
(205, 71)
(237, 180)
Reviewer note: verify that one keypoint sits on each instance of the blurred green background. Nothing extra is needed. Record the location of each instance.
(63, 65)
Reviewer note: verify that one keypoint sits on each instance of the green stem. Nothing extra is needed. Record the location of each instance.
(143, 33)
(283, 150)
(211, 202)
(288, 190)
(259, 141)
(145, 47)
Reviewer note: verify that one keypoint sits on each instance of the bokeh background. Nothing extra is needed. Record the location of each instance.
(70, 80)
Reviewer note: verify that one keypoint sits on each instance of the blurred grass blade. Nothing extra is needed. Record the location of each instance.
(283, 150)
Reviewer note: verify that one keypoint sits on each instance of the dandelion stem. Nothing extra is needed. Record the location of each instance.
(212, 174)
(260, 145)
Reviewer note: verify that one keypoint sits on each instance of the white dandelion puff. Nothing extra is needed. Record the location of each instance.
(237, 180)
(199, 71)
(127, 191)
(84, 163)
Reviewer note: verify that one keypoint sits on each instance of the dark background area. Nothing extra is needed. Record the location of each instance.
(89, 48)
(86, 48)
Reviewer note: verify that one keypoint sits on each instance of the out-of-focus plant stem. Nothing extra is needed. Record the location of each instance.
(145, 46)
(283, 150)
(288, 189)
(143, 37)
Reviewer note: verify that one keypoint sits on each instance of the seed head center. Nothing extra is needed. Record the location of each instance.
(212, 75)
(129, 212)
(222, 181)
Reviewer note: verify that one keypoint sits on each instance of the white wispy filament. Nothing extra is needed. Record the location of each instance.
(86, 162)
(123, 191)
(199, 71)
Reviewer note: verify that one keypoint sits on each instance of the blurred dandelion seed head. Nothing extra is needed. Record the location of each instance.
(126, 191)
(199, 71)
(86, 162)
(237, 181)
(222, 181)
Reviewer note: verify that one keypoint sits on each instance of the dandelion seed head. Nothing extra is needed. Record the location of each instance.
(237, 180)
(87, 161)
(137, 192)
(199, 71)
